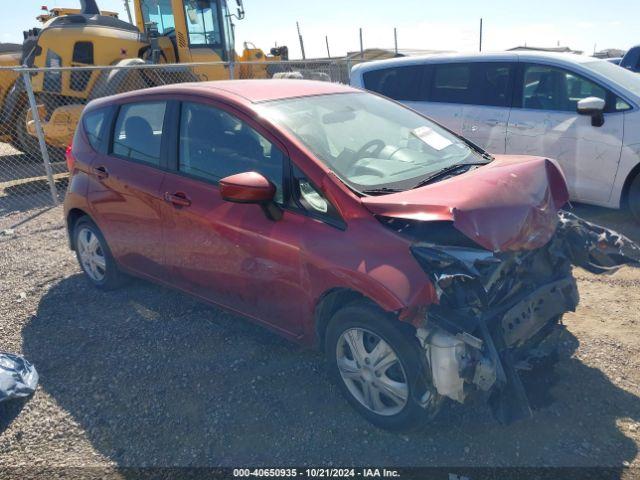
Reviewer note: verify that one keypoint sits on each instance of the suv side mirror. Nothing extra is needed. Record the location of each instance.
(251, 187)
(594, 107)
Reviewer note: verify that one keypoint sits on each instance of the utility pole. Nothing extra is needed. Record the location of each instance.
(361, 46)
(126, 7)
(304, 57)
(395, 40)
(480, 34)
(326, 39)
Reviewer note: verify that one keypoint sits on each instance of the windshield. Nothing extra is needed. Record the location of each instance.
(369, 142)
(621, 76)
(158, 12)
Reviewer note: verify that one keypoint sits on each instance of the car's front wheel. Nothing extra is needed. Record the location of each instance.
(94, 255)
(380, 368)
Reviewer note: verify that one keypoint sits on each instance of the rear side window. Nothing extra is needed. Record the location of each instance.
(451, 83)
(138, 132)
(398, 83)
(93, 124)
(476, 83)
(491, 84)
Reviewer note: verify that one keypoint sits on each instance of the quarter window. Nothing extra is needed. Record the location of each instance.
(215, 144)
(138, 132)
(551, 88)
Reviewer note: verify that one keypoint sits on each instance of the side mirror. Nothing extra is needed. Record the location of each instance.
(251, 187)
(594, 107)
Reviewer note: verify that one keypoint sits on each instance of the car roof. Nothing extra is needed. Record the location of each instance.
(512, 56)
(239, 91)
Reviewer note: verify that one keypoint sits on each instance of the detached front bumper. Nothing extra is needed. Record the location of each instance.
(495, 308)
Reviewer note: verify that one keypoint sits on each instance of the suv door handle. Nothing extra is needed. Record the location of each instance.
(524, 125)
(178, 199)
(101, 172)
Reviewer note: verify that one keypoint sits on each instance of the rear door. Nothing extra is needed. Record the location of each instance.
(486, 114)
(125, 187)
(544, 122)
(230, 253)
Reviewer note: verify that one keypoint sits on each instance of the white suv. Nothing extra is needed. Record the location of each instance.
(582, 112)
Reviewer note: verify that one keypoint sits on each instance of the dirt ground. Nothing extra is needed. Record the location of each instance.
(145, 376)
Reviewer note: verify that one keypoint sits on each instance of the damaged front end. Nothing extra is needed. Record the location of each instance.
(496, 310)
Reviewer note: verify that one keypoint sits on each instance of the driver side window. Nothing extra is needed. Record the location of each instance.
(551, 88)
(215, 144)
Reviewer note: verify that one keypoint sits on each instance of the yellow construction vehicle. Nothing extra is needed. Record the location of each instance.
(165, 32)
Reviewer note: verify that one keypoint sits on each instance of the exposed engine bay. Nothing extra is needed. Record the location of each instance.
(497, 310)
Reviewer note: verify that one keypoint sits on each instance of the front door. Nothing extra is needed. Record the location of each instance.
(547, 124)
(231, 254)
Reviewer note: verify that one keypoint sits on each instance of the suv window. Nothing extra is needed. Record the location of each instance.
(399, 83)
(486, 83)
(491, 84)
(450, 83)
(631, 60)
(93, 123)
(215, 144)
(138, 131)
(552, 88)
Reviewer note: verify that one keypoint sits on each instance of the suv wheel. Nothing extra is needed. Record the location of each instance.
(634, 198)
(380, 369)
(94, 255)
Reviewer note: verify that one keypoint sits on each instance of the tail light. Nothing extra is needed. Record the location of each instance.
(70, 158)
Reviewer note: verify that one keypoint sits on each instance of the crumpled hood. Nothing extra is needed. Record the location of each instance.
(510, 204)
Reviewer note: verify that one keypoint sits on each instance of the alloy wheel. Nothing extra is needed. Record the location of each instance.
(91, 254)
(372, 371)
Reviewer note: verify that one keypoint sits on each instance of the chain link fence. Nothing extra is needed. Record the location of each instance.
(40, 109)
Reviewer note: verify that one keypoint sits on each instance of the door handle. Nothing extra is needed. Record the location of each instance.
(492, 122)
(178, 199)
(101, 172)
(524, 126)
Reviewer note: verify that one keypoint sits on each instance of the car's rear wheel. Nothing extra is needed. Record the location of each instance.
(634, 198)
(380, 368)
(94, 255)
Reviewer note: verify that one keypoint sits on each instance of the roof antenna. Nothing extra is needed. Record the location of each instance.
(89, 7)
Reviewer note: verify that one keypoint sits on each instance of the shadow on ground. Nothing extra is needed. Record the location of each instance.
(158, 379)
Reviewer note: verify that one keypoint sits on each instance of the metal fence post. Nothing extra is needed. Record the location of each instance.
(232, 65)
(40, 133)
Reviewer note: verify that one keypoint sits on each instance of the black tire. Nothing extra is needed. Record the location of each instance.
(634, 198)
(112, 277)
(366, 316)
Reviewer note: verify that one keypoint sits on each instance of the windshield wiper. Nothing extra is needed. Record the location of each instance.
(446, 170)
(381, 191)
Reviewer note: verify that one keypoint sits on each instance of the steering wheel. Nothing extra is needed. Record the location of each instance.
(375, 144)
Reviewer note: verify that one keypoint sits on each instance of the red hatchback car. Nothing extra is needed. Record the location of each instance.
(423, 266)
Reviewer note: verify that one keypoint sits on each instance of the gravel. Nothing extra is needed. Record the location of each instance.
(145, 376)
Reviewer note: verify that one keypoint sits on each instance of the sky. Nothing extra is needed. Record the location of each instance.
(449, 25)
